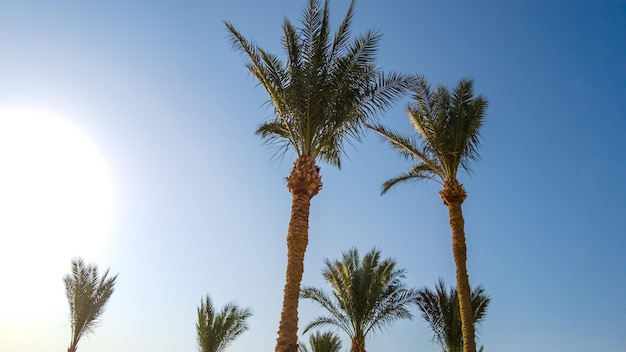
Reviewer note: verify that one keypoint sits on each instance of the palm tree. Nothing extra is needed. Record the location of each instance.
(448, 124)
(87, 294)
(321, 96)
(322, 342)
(368, 295)
(440, 309)
(216, 330)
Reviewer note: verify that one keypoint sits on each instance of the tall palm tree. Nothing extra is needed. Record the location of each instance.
(322, 342)
(322, 94)
(440, 309)
(368, 295)
(448, 124)
(87, 294)
(216, 330)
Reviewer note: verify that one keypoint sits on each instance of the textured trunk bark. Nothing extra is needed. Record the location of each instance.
(304, 183)
(453, 196)
(358, 344)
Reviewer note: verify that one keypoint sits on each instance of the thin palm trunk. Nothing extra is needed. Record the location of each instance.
(74, 344)
(453, 196)
(304, 183)
(358, 344)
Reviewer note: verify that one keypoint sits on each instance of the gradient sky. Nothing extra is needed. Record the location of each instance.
(201, 205)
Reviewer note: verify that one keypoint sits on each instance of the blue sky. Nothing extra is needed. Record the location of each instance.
(201, 206)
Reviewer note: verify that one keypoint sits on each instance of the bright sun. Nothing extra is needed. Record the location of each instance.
(55, 203)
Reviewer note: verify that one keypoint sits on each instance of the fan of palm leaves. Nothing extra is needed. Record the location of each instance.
(440, 309)
(322, 342)
(87, 294)
(216, 330)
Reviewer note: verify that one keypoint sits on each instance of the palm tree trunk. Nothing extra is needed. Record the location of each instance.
(358, 344)
(453, 196)
(304, 183)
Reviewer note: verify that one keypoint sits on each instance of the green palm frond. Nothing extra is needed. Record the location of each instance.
(440, 309)
(327, 87)
(480, 302)
(276, 133)
(368, 294)
(426, 166)
(322, 342)
(216, 330)
(386, 87)
(342, 36)
(87, 294)
(418, 172)
(337, 316)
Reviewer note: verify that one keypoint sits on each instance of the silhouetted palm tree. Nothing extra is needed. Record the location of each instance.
(368, 295)
(448, 124)
(216, 330)
(322, 342)
(322, 94)
(440, 309)
(87, 294)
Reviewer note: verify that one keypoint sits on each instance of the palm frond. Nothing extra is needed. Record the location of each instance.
(385, 91)
(393, 307)
(342, 35)
(418, 172)
(408, 148)
(337, 315)
(471, 111)
(480, 302)
(277, 134)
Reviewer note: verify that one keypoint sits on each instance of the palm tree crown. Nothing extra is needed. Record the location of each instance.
(87, 294)
(448, 124)
(440, 309)
(216, 330)
(322, 342)
(368, 295)
(327, 88)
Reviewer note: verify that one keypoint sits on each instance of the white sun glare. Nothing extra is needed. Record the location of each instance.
(55, 203)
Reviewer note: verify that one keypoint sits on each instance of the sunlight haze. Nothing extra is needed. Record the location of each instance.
(55, 203)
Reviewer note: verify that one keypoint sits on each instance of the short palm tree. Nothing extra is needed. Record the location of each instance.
(440, 309)
(87, 294)
(321, 96)
(368, 295)
(322, 342)
(448, 124)
(216, 330)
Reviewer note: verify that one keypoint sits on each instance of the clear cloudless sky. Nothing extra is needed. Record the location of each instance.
(201, 205)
